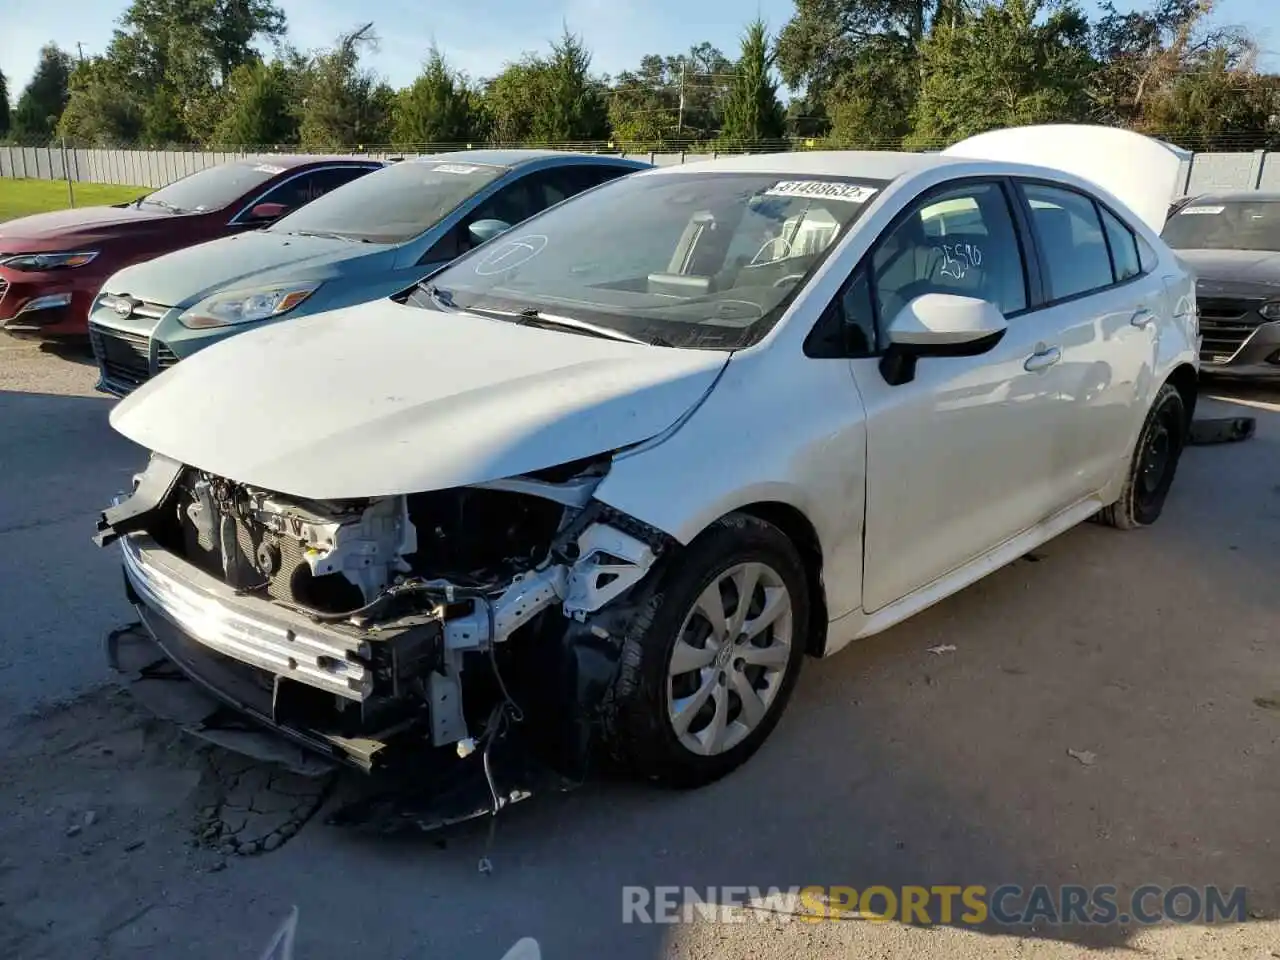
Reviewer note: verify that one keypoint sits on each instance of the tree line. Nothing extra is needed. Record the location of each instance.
(915, 74)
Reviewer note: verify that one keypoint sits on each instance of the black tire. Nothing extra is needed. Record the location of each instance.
(639, 733)
(1154, 464)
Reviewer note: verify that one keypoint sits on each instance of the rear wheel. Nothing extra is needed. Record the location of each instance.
(1155, 461)
(708, 671)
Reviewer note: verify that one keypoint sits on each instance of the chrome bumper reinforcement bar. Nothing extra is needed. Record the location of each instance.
(247, 628)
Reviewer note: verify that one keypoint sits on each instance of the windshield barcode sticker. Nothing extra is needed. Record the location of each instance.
(1204, 209)
(454, 168)
(268, 168)
(822, 189)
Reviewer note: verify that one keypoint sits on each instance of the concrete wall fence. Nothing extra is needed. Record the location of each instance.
(1204, 172)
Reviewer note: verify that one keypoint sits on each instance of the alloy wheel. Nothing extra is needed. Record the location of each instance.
(730, 658)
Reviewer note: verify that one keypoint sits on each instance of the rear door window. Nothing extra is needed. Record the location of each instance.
(1072, 247)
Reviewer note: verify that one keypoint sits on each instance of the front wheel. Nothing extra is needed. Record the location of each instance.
(707, 671)
(1155, 461)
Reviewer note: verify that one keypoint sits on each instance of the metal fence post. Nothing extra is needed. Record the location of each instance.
(1259, 158)
(66, 173)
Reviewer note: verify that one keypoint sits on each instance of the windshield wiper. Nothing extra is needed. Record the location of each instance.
(325, 235)
(172, 208)
(441, 298)
(533, 317)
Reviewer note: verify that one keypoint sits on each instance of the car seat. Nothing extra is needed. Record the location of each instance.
(800, 241)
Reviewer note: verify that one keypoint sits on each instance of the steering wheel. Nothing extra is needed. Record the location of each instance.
(756, 261)
(790, 276)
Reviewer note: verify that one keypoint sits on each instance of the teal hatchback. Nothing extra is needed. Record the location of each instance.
(363, 241)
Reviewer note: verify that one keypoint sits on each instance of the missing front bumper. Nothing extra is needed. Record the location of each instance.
(176, 686)
(382, 689)
(215, 699)
(352, 694)
(411, 785)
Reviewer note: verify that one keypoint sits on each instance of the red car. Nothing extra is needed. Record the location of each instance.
(53, 264)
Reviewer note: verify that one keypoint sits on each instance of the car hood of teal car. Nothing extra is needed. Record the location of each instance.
(246, 261)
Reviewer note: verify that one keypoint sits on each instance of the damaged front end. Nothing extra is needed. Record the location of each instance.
(376, 631)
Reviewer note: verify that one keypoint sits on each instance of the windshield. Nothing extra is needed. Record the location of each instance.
(391, 205)
(692, 260)
(1225, 225)
(212, 189)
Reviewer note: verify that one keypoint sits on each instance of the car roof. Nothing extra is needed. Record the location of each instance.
(516, 158)
(869, 164)
(1229, 196)
(291, 161)
(879, 166)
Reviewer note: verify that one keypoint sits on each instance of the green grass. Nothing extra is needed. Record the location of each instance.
(20, 198)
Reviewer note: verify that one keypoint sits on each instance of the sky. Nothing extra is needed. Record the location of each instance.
(479, 36)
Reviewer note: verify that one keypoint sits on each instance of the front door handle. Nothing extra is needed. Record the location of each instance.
(1042, 360)
(1142, 318)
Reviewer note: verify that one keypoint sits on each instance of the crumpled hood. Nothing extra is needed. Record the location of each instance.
(1241, 272)
(79, 223)
(382, 398)
(185, 277)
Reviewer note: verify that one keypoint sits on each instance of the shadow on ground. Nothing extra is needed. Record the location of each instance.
(72, 351)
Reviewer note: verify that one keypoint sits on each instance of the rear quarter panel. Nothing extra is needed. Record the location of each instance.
(1175, 344)
(1177, 329)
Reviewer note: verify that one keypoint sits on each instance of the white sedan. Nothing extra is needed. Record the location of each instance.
(619, 470)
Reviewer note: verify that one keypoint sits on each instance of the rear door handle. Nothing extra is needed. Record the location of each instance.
(1042, 359)
(1142, 318)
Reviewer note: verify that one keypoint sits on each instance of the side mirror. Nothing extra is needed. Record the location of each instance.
(526, 948)
(482, 231)
(939, 325)
(268, 211)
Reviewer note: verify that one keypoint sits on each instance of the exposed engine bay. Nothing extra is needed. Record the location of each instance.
(360, 626)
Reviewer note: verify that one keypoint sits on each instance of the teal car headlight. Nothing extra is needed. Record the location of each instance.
(246, 306)
(39, 262)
